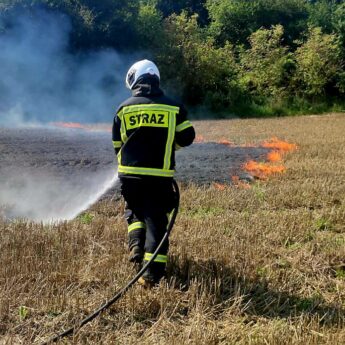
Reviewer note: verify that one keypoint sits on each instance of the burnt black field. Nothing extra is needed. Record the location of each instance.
(49, 173)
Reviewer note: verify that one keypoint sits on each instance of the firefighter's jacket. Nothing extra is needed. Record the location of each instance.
(148, 128)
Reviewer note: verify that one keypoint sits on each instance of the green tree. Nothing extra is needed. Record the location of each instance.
(318, 62)
(191, 62)
(102, 23)
(267, 65)
(339, 24)
(321, 14)
(95, 23)
(148, 25)
(236, 20)
(168, 7)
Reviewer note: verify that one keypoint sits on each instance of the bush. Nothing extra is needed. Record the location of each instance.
(255, 57)
(267, 66)
(236, 20)
(318, 63)
(192, 63)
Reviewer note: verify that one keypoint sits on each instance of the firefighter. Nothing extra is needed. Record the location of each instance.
(148, 127)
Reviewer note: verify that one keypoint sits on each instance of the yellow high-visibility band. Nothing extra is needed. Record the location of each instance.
(177, 147)
(141, 107)
(182, 126)
(117, 144)
(159, 258)
(119, 156)
(170, 141)
(136, 225)
(123, 132)
(145, 171)
(120, 113)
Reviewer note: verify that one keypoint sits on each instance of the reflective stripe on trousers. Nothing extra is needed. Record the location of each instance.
(136, 226)
(159, 258)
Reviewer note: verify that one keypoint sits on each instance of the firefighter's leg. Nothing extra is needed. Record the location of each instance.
(135, 220)
(158, 205)
(136, 229)
(156, 228)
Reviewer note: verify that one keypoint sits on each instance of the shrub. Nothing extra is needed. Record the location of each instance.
(191, 62)
(318, 63)
(267, 65)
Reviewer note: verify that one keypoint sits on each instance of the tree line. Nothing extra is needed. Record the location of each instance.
(246, 57)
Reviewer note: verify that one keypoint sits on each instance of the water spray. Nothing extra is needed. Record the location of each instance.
(93, 198)
(123, 291)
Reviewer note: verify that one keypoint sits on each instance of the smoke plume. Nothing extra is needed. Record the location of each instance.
(42, 81)
(49, 174)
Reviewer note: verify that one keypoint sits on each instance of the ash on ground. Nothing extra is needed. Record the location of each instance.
(48, 173)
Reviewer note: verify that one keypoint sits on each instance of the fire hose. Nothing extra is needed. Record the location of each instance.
(123, 291)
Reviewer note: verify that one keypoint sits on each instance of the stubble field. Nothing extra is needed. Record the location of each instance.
(257, 265)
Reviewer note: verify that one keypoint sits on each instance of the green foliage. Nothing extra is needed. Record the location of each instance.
(318, 63)
(23, 312)
(148, 24)
(168, 7)
(231, 20)
(204, 212)
(236, 20)
(267, 65)
(340, 273)
(323, 224)
(95, 23)
(205, 73)
(305, 304)
(321, 14)
(257, 57)
(86, 218)
(339, 24)
(102, 23)
(259, 192)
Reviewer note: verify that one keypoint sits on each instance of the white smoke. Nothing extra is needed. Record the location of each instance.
(43, 199)
(42, 81)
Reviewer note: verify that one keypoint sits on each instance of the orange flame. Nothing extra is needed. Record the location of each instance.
(225, 142)
(238, 183)
(86, 127)
(199, 139)
(256, 169)
(280, 145)
(263, 170)
(219, 186)
(69, 125)
(274, 156)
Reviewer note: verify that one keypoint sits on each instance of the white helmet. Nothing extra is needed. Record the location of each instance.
(139, 69)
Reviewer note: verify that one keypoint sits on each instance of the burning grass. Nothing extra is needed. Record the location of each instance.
(86, 127)
(274, 156)
(263, 265)
(262, 170)
(279, 145)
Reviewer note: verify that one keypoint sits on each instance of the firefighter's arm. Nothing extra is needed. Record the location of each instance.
(116, 134)
(185, 132)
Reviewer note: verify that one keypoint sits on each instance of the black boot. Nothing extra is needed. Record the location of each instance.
(136, 255)
(153, 275)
